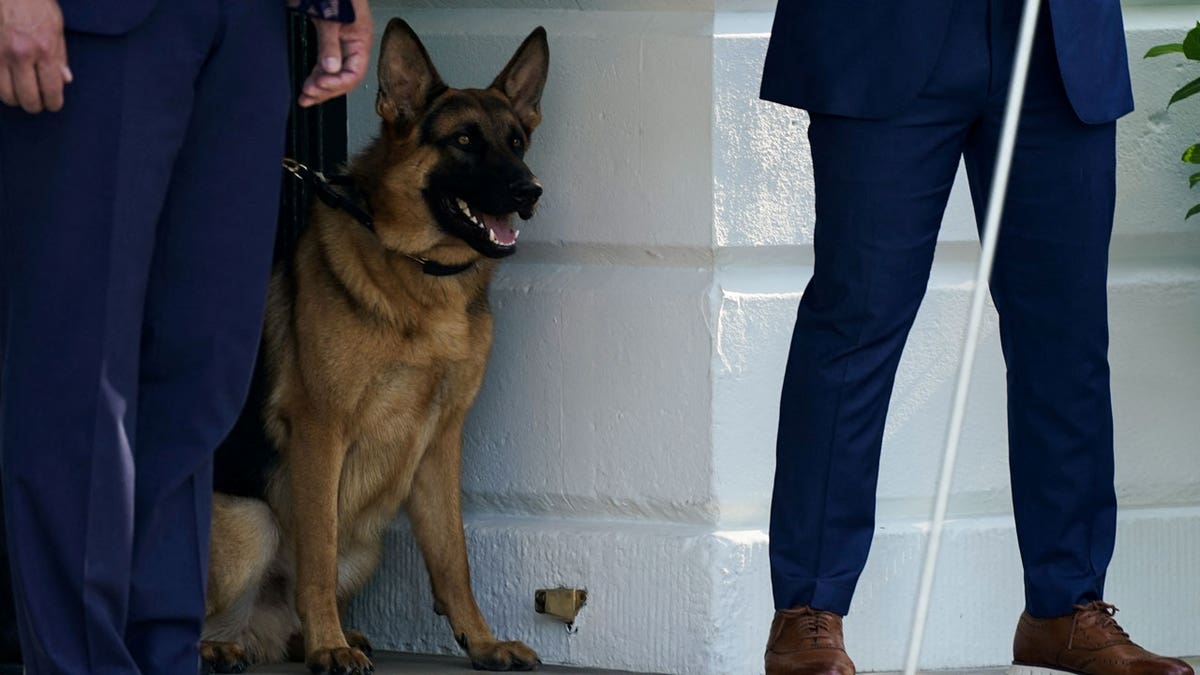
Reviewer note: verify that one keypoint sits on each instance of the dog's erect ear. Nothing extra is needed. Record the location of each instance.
(523, 79)
(407, 79)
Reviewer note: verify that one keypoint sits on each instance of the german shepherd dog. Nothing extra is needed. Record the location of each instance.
(372, 361)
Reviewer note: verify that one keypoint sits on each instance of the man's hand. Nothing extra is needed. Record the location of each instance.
(343, 50)
(33, 55)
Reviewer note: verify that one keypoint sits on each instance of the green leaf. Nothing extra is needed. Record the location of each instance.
(1194, 180)
(1191, 43)
(1185, 91)
(1174, 48)
(1194, 211)
(1192, 154)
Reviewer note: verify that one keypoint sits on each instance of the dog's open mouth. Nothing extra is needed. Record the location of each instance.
(499, 229)
(491, 234)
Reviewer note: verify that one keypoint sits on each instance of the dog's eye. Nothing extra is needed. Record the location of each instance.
(463, 140)
(517, 143)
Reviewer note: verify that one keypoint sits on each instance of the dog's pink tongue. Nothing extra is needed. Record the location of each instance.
(501, 227)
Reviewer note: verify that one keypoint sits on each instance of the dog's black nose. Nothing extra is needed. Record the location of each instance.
(526, 192)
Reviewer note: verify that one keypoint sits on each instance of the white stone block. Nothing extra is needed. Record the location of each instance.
(1153, 312)
(597, 398)
(662, 598)
(679, 599)
(978, 595)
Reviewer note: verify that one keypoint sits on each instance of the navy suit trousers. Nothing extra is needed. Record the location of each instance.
(136, 229)
(881, 190)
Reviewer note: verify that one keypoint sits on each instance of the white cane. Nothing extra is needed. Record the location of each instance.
(991, 233)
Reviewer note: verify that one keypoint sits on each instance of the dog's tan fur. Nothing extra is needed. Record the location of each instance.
(372, 366)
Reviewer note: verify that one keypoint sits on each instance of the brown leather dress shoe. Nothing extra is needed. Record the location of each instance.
(1088, 642)
(806, 641)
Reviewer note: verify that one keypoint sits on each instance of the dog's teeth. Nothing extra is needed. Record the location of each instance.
(516, 233)
(492, 236)
(466, 211)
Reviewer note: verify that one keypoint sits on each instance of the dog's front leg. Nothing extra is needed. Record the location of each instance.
(435, 510)
(315, 465)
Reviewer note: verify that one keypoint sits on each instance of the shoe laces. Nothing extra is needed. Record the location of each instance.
(1100, 616)
(818, 625)
(814, 624)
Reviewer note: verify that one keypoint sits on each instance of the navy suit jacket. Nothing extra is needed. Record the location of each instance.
(117, 17)
(104, 18)
(870, 58)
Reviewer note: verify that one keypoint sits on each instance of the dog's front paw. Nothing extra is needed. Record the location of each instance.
(222, 657)
(356, 639)
(339, 661)
(504, 656)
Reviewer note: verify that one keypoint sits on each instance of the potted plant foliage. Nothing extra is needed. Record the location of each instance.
(1190, 48)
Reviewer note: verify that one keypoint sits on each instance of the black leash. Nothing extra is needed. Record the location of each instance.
(324, 187)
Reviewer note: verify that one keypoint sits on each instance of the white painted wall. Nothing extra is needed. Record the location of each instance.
(624, 438)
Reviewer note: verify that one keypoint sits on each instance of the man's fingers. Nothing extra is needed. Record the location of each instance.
(329, 46)
(328, 86)
(311, 93)
(354, 68)
(321, 86)
(307, 100)
(332, 83)
(355, 63)
(50, 82)
(342, 60)
(311, 90)
(319, 81)
(33, 55)
(8, 94)
(67, 76)
(26, 83)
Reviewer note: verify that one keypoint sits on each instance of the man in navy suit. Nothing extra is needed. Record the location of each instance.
(138, 196)
(897, 92)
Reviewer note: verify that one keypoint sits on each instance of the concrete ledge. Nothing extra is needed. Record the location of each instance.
(661, 596)
(685, 600)
(1154, 371)
(979, 590)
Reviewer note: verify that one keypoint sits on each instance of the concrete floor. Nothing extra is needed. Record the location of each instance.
(405, 664)
(401, 664)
